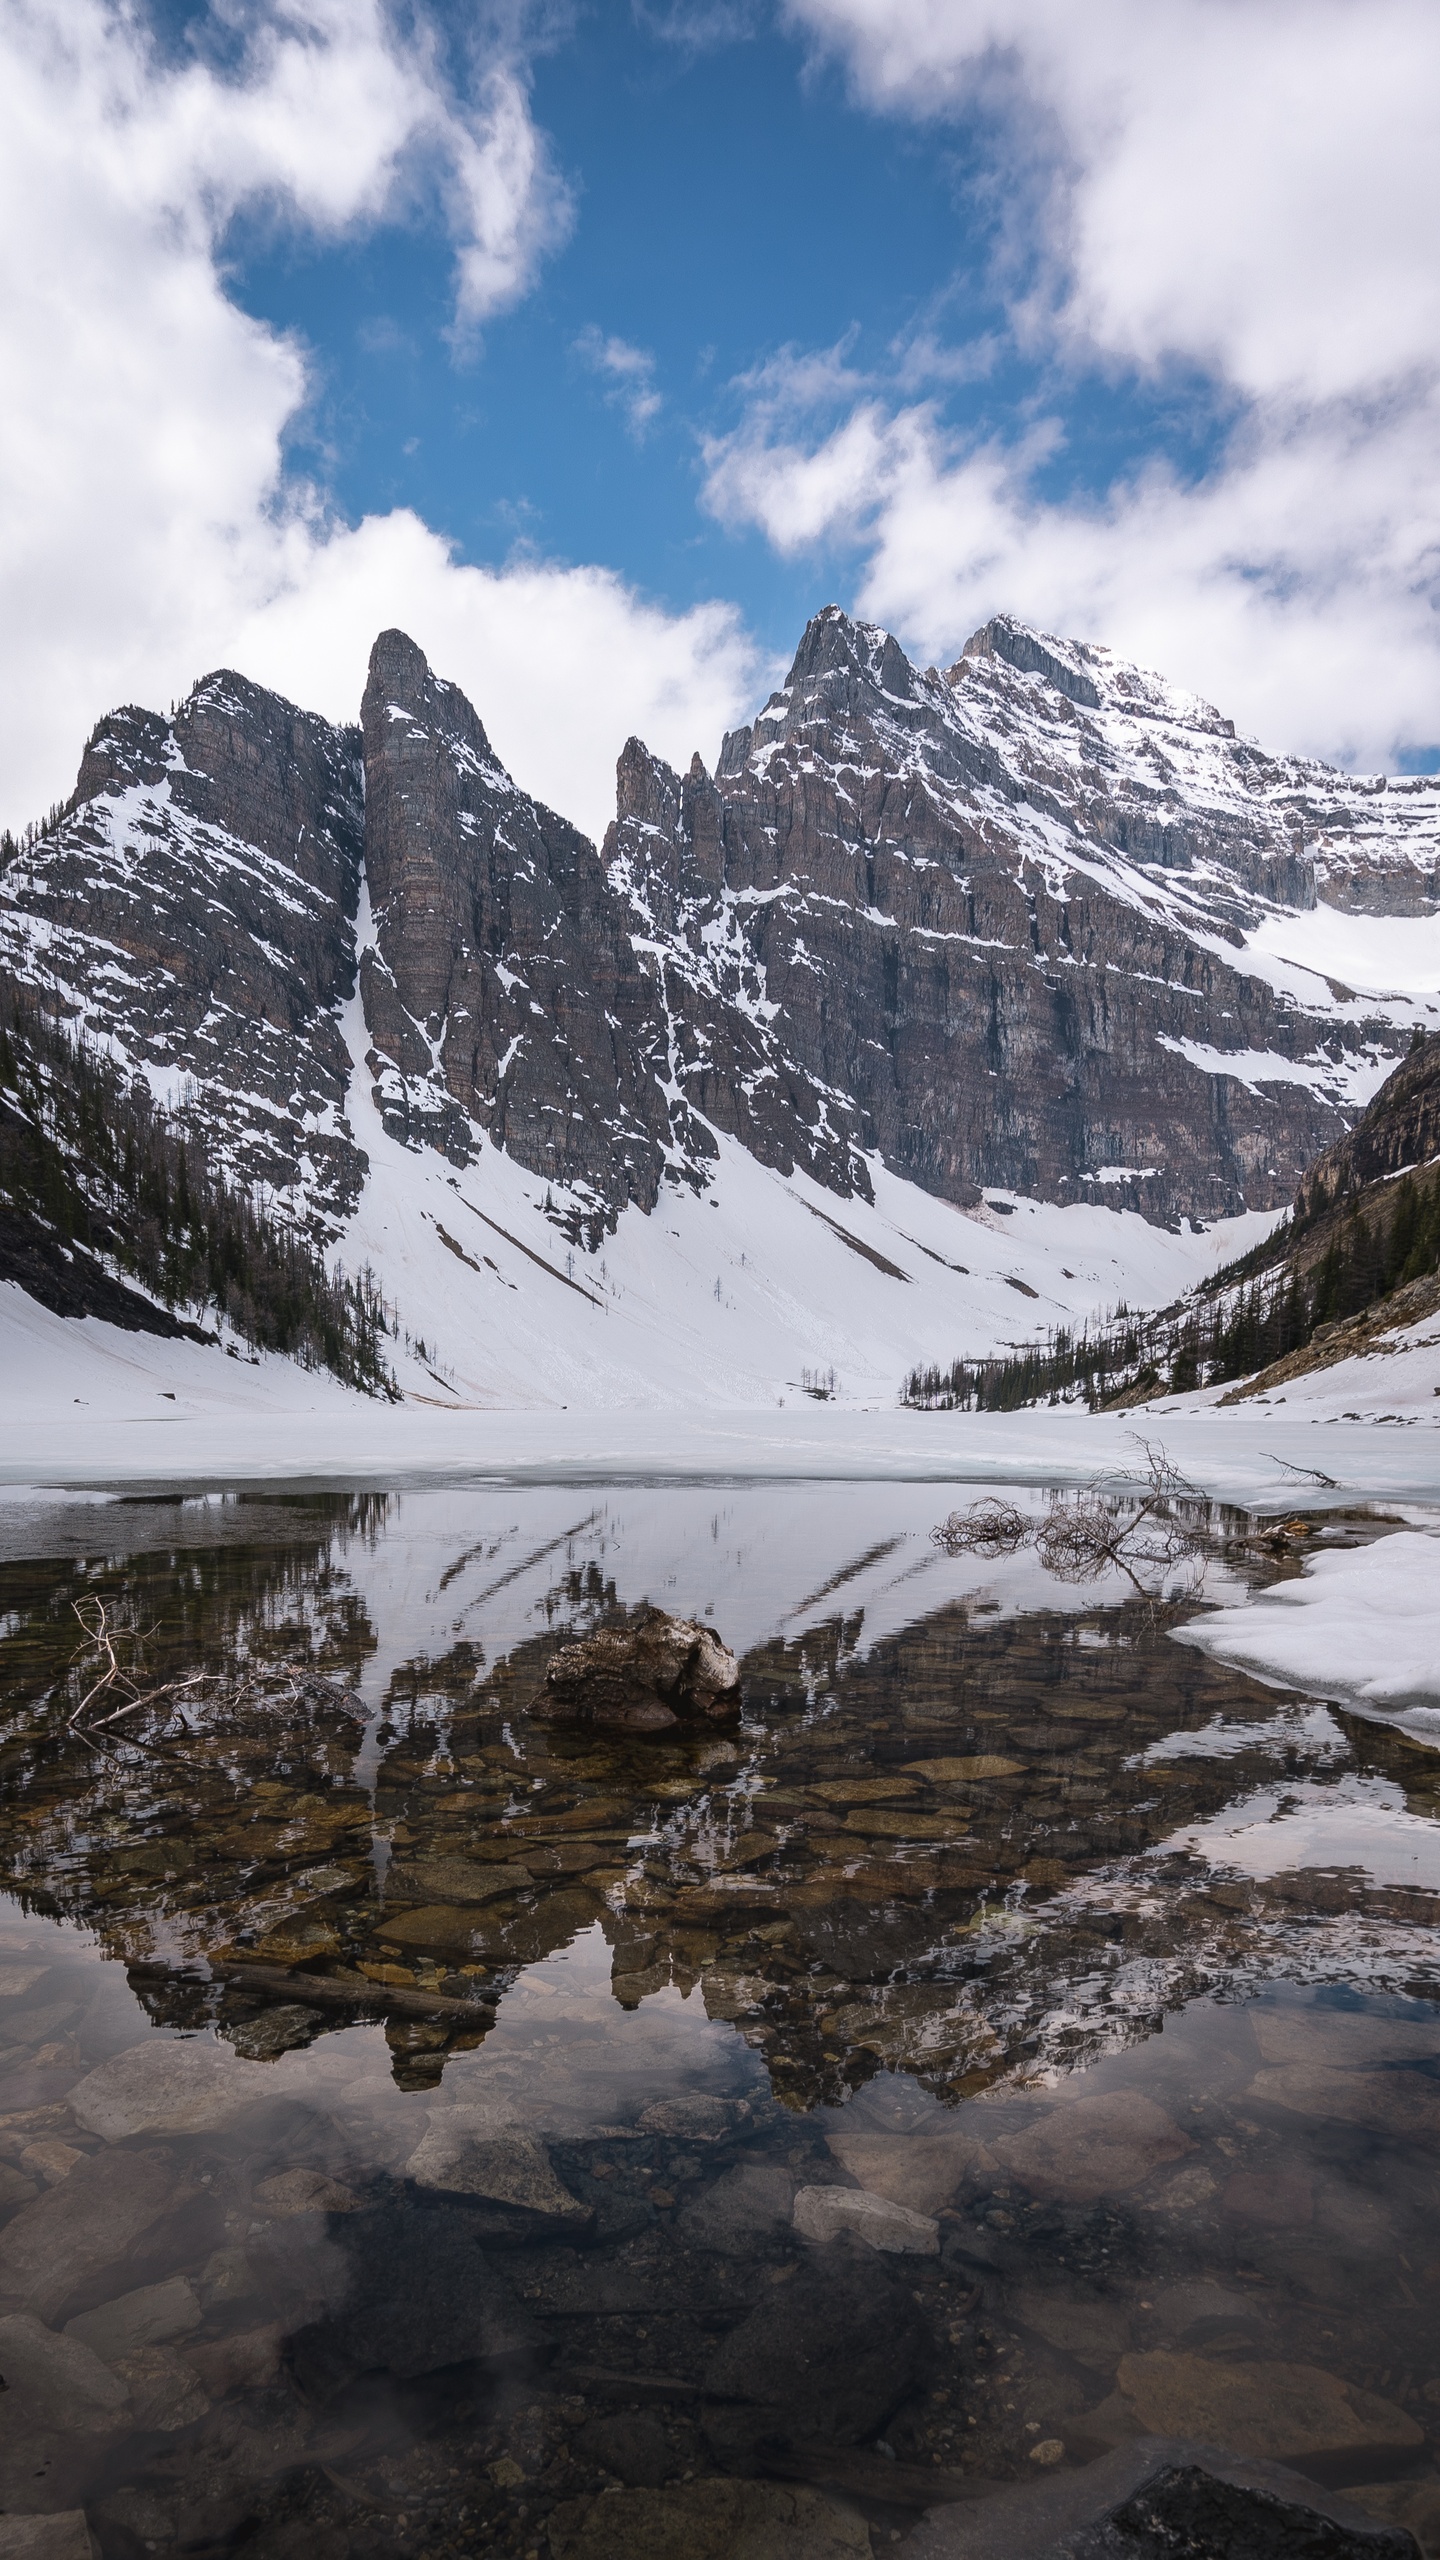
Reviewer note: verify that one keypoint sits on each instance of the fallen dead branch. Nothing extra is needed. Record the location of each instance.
(989, 1528)
(115, 1694)
(1303, 1475)
(1152, 1534)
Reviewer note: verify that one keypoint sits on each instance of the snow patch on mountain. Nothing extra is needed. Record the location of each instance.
(1377, 955)
(761, 1289)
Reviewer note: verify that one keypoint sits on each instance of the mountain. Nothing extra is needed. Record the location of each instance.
(192, 909)
(1012, 916)
(1036, 931)
(501, 991)
(1357, 1261)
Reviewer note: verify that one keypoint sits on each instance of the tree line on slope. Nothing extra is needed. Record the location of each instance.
(91, 1167)
(1239, 1321)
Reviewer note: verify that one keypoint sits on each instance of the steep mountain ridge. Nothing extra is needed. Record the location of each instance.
(501, 993)
(1039, 927)
(1005, 913)
(193, 911)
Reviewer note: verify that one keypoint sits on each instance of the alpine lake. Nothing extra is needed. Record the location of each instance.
(424, 2128)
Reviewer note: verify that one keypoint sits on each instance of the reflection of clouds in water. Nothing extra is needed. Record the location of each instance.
(1311, 1731)
(564, 2058)
(1353, 1823)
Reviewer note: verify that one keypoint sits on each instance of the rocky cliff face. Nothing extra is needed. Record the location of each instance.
(194, 910)
(1399, 1133)
(995, 920)
(502, 993)
(1012, 925)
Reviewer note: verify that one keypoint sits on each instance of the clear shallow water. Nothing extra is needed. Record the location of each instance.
(1112, 1969)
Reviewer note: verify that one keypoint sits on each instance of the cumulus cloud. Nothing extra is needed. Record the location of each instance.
(1247, 183)
(1304, 612)
(563, 663)
(629, 374)
(1243, 191)
(148, 525)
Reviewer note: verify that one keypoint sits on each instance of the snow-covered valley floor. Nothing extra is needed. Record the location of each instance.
(740, 1297)
(677, 1357)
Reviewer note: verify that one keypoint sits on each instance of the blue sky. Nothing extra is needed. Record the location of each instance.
(726, 204)
(731, 199)
(600, 341)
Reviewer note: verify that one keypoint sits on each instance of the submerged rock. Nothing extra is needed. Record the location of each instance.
(1093, 2147)
(830, 2353)
(417, 2292)
(149, 2317)
(57, 2382)
(743, 2210)
(455, 1880)
(709, 2520)
(504, 2168)
(166, 2394)
(644, 1678)
(693, 2116)
(1403, 2103)
(632, 2446)
(1277, 2412)
(59, 2537)
(304, 2191)
(823, 2212)
(165, 2087)
(72, 2236)
(921, 2170)
(1159, 2500)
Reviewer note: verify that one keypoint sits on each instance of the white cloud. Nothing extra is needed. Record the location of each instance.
(698, 26)
(148, 529)
(561, 663)
(508, 206)
(630, 374)
(1243, 189)
(1294, 586)
(1251, 184)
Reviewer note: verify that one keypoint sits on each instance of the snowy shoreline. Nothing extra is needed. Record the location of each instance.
(1257, 1458)
(98, 1415)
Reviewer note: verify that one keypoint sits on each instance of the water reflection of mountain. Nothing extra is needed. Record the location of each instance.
(947, 1839)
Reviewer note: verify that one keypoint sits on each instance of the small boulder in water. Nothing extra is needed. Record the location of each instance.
(645, 1678)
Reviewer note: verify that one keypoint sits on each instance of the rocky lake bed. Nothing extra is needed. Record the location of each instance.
(431, 2125)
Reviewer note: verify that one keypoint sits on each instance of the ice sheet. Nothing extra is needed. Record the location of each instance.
(1361, 1625)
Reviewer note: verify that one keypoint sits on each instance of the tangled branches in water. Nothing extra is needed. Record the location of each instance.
(989, 1528)
(1152, 1526)
(113, 1694)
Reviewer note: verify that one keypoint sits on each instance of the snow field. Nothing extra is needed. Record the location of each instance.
(1361, 1625)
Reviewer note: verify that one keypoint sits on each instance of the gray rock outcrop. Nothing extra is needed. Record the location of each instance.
(649, 1678)
(193, 910)
(502, 993)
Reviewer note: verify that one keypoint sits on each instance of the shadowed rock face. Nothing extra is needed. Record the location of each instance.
(503, 988)
(195, 909)
(982, 915)
(1400, 1129)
